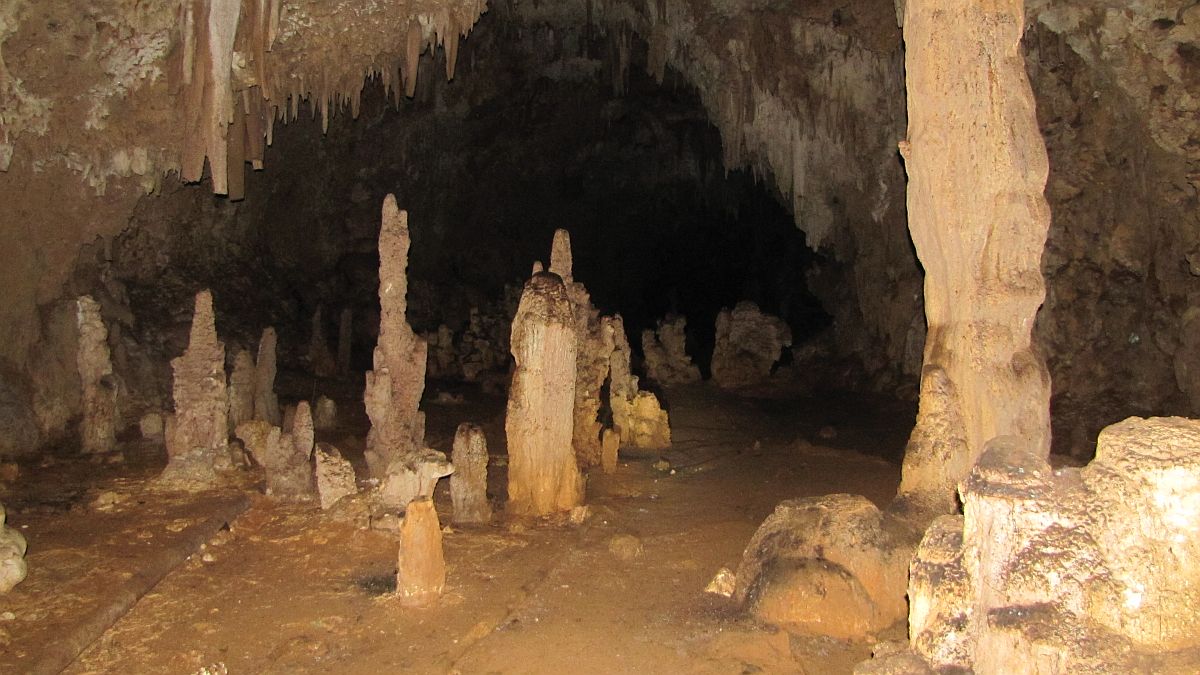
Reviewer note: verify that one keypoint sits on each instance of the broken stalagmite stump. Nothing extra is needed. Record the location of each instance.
(266, 404)
(100, 387)
(543, 477)
(394, 387)
(468, 483)
(748, 344)
(421, 569)
(198, 433)
(412, 476)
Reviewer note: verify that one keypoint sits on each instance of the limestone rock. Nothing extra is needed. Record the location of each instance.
(814, 596)
(241, 389)
(468, 483)
(421, 570)
(325, 414)
(665, 351)
(394, 387)
(626, 547)
(543, 476)
(266, 404)
(649, 427)
(198, 434)
(287, 459)
(98, 426)
(254, 434)
(12, 555)
(610, 445)
(748, 344)
(151, 426)
(289, 418)
(864, 556)
(413, 476)
(334, 475)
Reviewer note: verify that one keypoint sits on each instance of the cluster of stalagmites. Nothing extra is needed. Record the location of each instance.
(748, 344)
(665, 352)
(480, 348)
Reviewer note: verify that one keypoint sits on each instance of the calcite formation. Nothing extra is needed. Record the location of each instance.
(253, 434)
(198, 433)
(287, 459)
(977, 170)
(638, 418)
(12, 555)
(648, 428)
(394, 387)
(266, 403)
(468, 483)
(97, 429)
(665, 351)
(334, 475)
(421, 569)
(1092, 570)
(345, 343)
(325, 414)
(320, 359)
(412, 476)
(748, 344)
(543, 476)
(241, 389)
(610, 446)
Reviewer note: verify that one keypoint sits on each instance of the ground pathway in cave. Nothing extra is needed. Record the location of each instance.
(287, 589)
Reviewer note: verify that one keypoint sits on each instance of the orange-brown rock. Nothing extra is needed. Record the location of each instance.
(421, 569)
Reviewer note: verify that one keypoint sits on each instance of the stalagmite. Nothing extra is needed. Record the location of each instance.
(334, 475)
(638, 416)
(412, 476)
(394, 387)
(287, 459)
(610, 445)
(748, 344)
(468, 483)
(253, 435)
(12, 555)
(561, 259)
(665, 351)
(325, 414)
(241, 389)
(649, 428)
(266, 404)
(98, 426)
(543, 477)
(320, 359)
(421, 569)
(977, 170)
(345, 340)
(198, 433)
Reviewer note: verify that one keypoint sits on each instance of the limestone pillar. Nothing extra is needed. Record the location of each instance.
(198, 434)
(98, 427)
(543, 476)
(266, 404)
(468, 483)
(977, 170)
(421, 569)
(394, 387)
(287, 459)
(241, 389)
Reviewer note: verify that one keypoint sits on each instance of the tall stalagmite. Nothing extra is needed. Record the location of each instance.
(394, 387)
(977, 170)
(266, 403)
(198, 433)
(98, 427)
(543, 476)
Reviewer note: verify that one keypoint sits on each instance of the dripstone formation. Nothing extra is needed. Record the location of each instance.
(266, 404)
(197, 434)
(665, 351)
(748, 344)
(394, 387)
(421, 569)
(468, 483)
(100, 386)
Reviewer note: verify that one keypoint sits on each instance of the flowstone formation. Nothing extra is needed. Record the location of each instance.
(97, 429)
(748, 345)
(665, 351)
(543, 476)
(197, 434)
(1072, 570)
(241, 390)
(421, 568)
(468, 483)
(12, 555)
(394, 387)
(592, 352)
(266, 403)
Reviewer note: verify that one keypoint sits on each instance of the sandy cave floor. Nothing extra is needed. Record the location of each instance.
(289, 589)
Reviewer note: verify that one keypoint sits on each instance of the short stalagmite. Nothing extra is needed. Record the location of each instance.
(468, 483)
(325, 414)
(345, 340)
(287, 459)
(610, 446)
(334, 475)
(100, 387)
(543, 477)
(394, 387)
(637, 415)
(421, 568)
(241, 389)
(665, 350)
(748, 344)
(266, 403)
(320, 359)
(198, 433)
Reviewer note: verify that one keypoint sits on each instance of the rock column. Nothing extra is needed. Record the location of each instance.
(198, 433)
(543, 476)
(394, 387)
(266, 404)
(468, 483)
(98, 428)
(977, 170)
(421, 569)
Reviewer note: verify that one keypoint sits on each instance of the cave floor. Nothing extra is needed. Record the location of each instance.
(290, 589)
